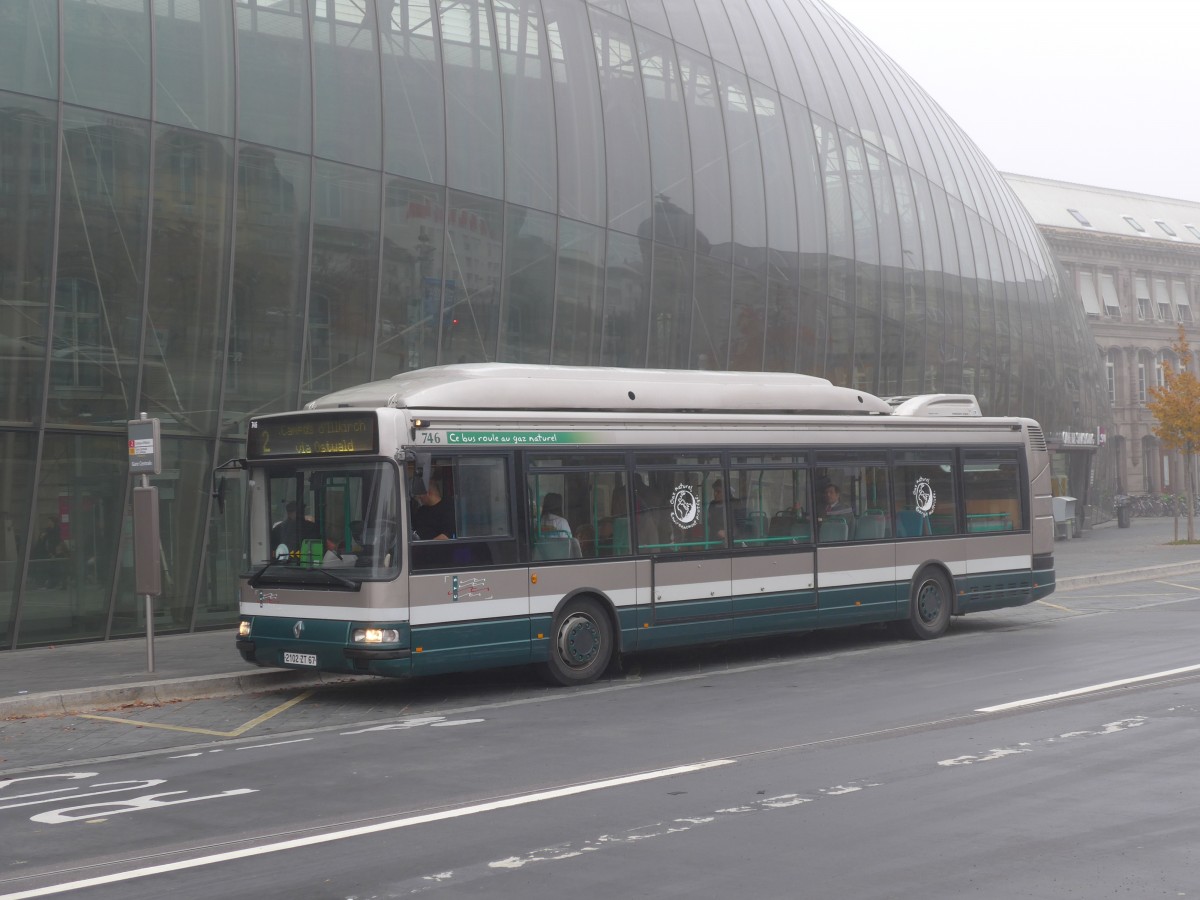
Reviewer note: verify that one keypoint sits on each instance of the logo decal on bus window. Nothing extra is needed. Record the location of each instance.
(924, 495)
(685, 510)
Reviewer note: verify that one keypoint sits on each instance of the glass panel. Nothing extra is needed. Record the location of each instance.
(746, 170)
(710, 314)
(838, 217)
(528, 300)
(670, 311)
(671, 171)
(783, 323)
(774, 504)
(411, 299)
(782, 232)
(474, 133)
(189, 279)
(28, 149)
(649, 13)
(414, 118)
(106, 55)
(81, 496)
(677, 507)
(810, 199)
(216, 601)
(16, 487)
(339, 516)
(530, 164)
(101, 262)
(346, 77)
(722, 45)
(471, 314)
(626, 302)
(464, 518)
(183, 500)
(992, 491)
(569, 511)
(710, 162)
(748, 332)
(274, 78)
(862, 201)
(578, 114)
(29, 48)
(924, 493)
(626, 142)
(685, 24)
(343, 285)
(755, 62)
(193, 65)
(269, 284)
(853, 500)
(580, 291)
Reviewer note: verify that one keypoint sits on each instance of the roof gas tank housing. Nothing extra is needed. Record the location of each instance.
(935, 405)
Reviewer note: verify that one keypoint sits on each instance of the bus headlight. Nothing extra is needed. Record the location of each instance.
(244, 628)
(376, 635)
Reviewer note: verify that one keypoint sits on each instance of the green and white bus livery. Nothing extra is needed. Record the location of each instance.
(483, 515)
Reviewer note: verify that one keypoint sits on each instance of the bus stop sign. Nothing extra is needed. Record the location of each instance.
(145, 447)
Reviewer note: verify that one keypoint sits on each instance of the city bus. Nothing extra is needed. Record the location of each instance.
(485, 515)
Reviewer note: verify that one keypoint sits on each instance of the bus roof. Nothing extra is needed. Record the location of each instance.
(513, 386)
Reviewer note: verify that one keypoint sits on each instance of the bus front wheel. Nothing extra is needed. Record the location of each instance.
(929, 607)
(581, 643)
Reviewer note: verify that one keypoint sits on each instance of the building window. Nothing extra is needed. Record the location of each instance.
(1183, 309)
(1142, 287)
(1110, 374)
(1162, 300)
(1134, 224)
(1087, 292)
(1194, 230)
(1080, 218)
(1141, 386)
(1165, 227)
(1108, 293)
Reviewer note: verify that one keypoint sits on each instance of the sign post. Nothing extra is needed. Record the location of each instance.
(145, 459)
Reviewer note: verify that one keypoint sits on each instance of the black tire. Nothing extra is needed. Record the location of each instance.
(581, 644)
(929, 606)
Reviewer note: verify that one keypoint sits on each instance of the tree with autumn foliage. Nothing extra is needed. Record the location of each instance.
(1176, 406)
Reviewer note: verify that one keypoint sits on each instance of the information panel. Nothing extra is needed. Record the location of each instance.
(332, 433)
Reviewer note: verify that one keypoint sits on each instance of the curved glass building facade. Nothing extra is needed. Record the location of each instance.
(214, 208)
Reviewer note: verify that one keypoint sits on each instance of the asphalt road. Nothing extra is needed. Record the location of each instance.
(846, 764)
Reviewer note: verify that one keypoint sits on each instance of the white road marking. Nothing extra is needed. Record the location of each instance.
(508, 803)
(276, 744)
(1091, 689)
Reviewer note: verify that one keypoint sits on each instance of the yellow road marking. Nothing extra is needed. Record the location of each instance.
(1055, 606)
(1186, 587)
(237, 732)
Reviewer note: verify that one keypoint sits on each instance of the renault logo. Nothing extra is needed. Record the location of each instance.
(298, 628)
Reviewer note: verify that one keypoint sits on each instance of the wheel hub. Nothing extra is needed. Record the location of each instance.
(579, 640)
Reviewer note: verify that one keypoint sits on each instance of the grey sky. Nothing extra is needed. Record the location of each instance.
(1100, 92)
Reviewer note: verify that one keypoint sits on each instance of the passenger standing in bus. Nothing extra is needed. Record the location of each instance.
(433, 520)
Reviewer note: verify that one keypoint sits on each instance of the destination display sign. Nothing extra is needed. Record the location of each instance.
(332, 433)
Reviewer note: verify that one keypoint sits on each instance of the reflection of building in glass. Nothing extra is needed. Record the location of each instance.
(214, 209)
(1134, 260)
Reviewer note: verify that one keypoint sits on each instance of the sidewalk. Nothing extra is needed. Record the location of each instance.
(76, 678)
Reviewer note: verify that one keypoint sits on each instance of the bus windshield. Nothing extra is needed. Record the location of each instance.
(341, 516)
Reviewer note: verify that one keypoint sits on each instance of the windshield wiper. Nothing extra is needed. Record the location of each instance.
(256, 579)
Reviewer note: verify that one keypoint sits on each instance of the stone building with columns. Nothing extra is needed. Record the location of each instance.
(1135, 262)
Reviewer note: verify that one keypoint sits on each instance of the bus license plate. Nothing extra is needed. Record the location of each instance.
(300, 659)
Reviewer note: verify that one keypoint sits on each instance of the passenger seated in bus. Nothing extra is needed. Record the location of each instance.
(834, 505)
(554, 539)
(433, 520)
(552, 519)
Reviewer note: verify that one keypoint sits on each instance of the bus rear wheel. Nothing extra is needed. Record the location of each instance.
(929, 607)
(581, 644)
